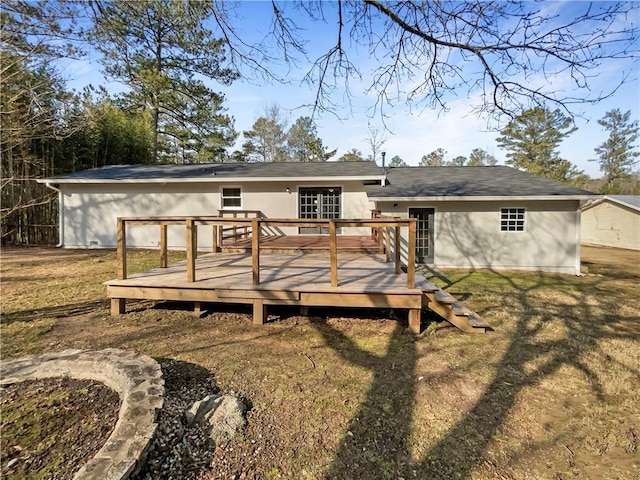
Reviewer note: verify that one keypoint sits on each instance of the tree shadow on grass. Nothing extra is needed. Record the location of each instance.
(57, 311)
(375, 445)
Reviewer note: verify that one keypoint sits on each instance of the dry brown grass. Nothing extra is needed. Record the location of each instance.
(552, 393)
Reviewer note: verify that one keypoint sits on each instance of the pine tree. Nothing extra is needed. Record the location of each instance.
(396, 161)
(479, 157)
(434, 159)
(303, 142)
(159, 49)
(617, 154)
(353, 155)
(266, 141)
(532, 139)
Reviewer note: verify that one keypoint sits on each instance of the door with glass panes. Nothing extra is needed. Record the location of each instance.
(318, 202)
(424, 233)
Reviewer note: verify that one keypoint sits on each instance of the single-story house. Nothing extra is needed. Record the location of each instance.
(482, 217)
(612, 221)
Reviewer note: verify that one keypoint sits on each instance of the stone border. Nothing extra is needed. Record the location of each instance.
(137, 379)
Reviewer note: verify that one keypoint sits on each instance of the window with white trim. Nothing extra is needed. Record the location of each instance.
(231, 197)
(512, 219)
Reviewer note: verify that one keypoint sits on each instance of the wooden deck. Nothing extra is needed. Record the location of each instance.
(315, 271)
(285, 279)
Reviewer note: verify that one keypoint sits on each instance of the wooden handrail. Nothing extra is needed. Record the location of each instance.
(257, 213)
(237, 232)
(191, 224)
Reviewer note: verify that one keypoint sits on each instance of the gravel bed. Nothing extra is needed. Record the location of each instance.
(180, 452)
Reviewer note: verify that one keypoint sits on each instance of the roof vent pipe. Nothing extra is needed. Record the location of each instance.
(384, 169)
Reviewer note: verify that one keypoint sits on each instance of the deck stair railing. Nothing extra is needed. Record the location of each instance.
(375, 232)
(382, 235)
(391, 227)
(231, 234)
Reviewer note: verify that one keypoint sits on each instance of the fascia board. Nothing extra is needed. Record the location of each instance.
(213, 179)
(481, 198)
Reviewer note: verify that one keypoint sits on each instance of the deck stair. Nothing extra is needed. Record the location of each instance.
(452, 310)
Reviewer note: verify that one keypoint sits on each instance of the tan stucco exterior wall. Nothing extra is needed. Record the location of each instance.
(611, 225)
(468, 235)
(90, 211)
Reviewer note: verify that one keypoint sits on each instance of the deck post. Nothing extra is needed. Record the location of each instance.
(411, 254)
(255, 252)
(388, 244)
(396, 249)
(235, 228)
(333, 249)
(259, 312)
(380, 239)
(121, 240)
(118, 306)
(214, 238)
(163, 246)
(192, 246)
(414, 320)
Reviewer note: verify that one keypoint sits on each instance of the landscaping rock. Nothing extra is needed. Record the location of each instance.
(201, 408)
(226, 419)
(223, 414)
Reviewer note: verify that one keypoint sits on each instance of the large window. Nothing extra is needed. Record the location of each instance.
(232, 197)
(512, 219)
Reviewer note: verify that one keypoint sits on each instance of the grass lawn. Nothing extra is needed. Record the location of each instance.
(552, 393)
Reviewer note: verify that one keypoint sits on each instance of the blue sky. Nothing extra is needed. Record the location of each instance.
(409, 132)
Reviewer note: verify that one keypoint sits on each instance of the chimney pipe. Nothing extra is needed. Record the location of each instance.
(384, 168)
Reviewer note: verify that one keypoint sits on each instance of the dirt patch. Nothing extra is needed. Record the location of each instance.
(43, 419)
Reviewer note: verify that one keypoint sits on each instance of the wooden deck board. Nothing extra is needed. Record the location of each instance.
(364, 280)
(303, 279)
(357, 273)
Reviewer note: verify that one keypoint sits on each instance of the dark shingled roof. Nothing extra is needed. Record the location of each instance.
(494, 181)
(403, 182)
(239, 170)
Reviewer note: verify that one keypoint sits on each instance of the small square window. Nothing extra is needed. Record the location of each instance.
(232, 197)
(512, 219)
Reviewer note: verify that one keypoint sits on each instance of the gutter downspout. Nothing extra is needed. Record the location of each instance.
(60, 213)
(578, 238)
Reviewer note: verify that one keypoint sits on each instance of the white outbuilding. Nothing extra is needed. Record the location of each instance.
(612, 221)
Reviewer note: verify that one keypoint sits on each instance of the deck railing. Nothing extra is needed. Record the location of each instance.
(384, 225)
(233, 233)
